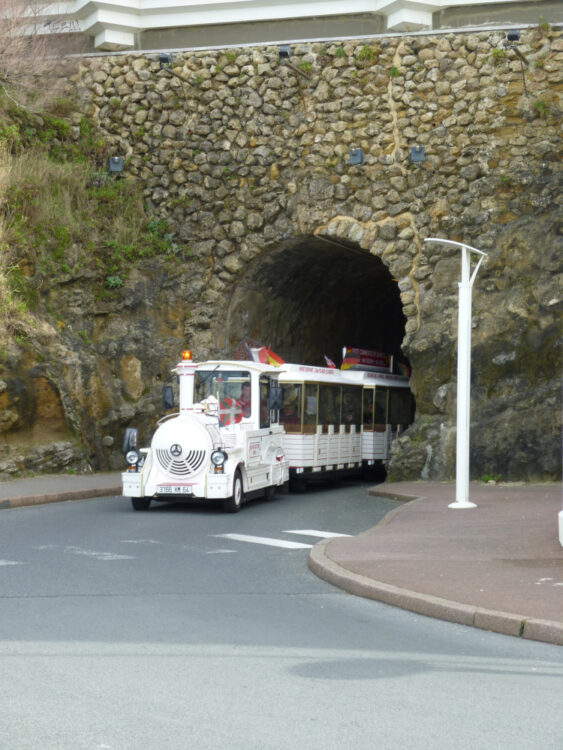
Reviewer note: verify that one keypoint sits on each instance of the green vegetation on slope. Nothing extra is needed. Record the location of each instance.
(62, 215)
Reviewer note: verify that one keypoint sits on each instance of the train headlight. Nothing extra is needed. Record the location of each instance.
(132, 458)
(218, 459)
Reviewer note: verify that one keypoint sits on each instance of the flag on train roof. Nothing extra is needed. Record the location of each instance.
(265, 355)
(329, 363)
(274, 359)
(404, 369)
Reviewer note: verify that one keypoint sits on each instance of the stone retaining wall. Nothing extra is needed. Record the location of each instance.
(245, 154)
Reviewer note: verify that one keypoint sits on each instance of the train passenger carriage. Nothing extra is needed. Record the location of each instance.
(387, 411)
(340, 422)
(322, 417)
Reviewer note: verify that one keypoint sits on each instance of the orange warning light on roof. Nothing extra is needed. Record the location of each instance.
(186, 355)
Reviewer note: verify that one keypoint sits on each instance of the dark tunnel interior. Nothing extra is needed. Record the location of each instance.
(314, 297)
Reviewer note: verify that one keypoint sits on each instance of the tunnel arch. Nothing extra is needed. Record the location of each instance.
(312, 295)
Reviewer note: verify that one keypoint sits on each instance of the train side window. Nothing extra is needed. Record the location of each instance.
(330, 403)
(352, 407)
(291, 412)
(399, 407)
(380, 411)
(264, 399)
(368, 409)
(311, 408)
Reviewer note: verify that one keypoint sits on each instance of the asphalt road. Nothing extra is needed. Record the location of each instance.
(122, 630)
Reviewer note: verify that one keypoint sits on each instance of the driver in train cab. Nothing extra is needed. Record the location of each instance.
(244, 399)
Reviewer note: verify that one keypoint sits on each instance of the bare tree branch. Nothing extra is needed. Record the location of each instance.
(33, 44)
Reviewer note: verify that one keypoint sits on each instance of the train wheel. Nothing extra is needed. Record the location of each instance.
(234, 503)
(297, 485)
(140, 503)
(375, 474)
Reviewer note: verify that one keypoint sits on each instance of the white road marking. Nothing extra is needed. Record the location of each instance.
(97, 555)
(87, 552)
(219, 551)
(264, 540)
(10, 562)
(314, 532)
(139, 541)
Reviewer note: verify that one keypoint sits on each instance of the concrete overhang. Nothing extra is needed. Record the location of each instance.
(114, 23)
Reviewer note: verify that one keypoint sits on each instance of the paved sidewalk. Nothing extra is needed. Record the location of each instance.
(54, 488)
(498, 566)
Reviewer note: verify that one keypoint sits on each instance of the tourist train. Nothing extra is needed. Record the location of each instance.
(245, 428)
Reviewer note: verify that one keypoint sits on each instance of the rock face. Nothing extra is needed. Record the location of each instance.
(247, 157)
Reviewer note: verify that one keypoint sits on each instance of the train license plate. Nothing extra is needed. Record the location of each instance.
(168, 489)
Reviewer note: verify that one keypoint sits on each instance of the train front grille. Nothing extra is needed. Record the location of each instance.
(182, 465)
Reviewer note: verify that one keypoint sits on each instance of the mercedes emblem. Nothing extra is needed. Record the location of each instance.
(176, 450)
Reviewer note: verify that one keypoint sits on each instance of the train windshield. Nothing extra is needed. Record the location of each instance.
(224, 384)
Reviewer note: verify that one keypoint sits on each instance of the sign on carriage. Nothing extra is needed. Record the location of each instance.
(360, 359)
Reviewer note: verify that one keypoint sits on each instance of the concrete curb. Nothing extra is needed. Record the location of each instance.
(507, 623)
(376, 492)
(58, 497)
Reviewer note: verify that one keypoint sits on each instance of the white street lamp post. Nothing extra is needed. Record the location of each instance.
(463, 370)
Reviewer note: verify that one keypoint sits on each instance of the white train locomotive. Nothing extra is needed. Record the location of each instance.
(245, 428)
(224, 443)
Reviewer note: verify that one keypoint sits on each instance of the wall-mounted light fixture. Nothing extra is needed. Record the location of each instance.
(416, 154)
(512, 39)
(356, 156)
(284, 51)
(165, 58)
(115, 164)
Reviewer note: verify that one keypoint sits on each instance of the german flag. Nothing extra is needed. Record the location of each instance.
(349, 362)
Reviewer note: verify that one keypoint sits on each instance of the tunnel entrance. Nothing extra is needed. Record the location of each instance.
(310, 298)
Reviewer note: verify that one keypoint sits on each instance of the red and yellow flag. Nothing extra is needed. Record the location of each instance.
(266, 356)
(273, 359)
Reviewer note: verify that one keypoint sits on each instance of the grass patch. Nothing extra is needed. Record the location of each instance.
(60, 211)
(368, 54)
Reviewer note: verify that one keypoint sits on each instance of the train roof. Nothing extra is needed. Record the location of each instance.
(310, 373)
(238, 364)
(366, 377)
(290, 372)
